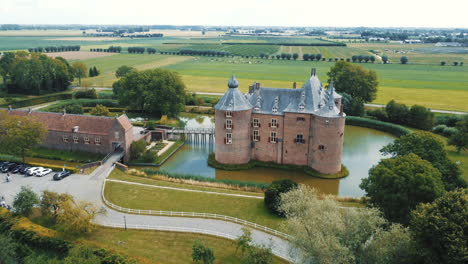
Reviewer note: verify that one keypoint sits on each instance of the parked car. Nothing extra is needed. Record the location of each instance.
(31, 171)
(17, 168)
(24, 169)
(6, 168)
(60, 175)
(42, 172)
(3, 164)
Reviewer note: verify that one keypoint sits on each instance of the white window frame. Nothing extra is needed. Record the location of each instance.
(299, 138)
(256, 122)
(86, 139)
(228, 113)
(97, 141)
(273, 139)
(274, 122)
(229, 138)
(76, 140)
(65, 139)
(228, 124)
(256, 135)
(301, 107)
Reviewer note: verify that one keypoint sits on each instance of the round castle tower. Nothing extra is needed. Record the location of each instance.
(232, 123)
(327, 129)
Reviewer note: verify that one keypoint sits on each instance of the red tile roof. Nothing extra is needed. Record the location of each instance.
(97, 125)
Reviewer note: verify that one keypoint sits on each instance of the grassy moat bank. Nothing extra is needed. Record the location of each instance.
(262, 164)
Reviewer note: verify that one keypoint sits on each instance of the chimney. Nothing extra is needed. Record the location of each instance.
(64, 111)
(312, 73)
(29, 110)
(294, 85)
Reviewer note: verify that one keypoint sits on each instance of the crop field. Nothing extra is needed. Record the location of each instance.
(327, 52)
(78, 55)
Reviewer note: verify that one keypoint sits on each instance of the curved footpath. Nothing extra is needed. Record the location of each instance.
(88, 188)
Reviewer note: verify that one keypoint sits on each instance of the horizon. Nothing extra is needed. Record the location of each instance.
(245, 13)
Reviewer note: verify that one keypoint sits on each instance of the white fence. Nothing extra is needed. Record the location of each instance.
(185, 230)
(193, 214)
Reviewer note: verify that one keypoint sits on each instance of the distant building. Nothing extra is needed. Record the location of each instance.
(287, 126)
(448, 44)
(95, 134)
(412, 41)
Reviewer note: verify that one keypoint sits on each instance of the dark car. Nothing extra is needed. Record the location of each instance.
(24, 169)
(17, 168)
(6, 168)
(60, 175)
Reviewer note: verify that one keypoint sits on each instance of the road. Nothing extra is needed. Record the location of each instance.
(88, 188)
(370, 105)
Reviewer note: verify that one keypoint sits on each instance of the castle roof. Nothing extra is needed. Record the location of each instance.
(233, 99)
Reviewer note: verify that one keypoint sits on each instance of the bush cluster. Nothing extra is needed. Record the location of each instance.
(273, 195)
(445, 130)
(38, 100)
(214, 53)
(376, 124)
(139, 50)
(87, 93)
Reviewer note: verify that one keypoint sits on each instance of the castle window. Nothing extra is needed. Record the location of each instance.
(256, 123)
(97, 141)
(321, 147)
(75, 139)
(327, 122)
(228, 124)
(86, 140)
(273, 138)
(228, 114)
(300, 119)
(65, 139)
(274, 122)
(256, 135)
(299, 139)
(228, 139)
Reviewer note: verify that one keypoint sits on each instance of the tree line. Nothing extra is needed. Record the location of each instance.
(55, 49)
(113, 49)
(204, 52)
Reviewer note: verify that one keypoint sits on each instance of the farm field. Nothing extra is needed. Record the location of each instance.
(327, 52)
(409, 84)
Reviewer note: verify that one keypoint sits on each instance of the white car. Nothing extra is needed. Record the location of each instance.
(42, 172)
(31, 171)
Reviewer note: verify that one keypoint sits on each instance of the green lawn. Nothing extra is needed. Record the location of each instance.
(65, 155)
(163, 247)
(149, 198)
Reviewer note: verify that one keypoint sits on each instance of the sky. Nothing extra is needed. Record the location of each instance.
(301, 13)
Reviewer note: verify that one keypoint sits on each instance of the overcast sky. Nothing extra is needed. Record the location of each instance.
(369, 13)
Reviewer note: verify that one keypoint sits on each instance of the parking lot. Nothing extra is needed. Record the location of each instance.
(82, 187)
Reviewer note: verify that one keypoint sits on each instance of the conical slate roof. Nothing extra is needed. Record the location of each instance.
(233, 99)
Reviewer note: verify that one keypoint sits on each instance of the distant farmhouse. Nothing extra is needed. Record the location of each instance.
(72, 132)
(287, 126)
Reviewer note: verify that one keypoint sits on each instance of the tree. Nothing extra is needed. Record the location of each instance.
(95, 71)
(99, 110)
(51, 203)
(6, 63)
(305, 56)
(385, 59)
(427, 146)
(421, 117)
(158, 91)
(455, 63)
(325, 233)
(460, 138)
(397, 185)
(273, 194)
(8, 250)
(18, 134)
(122, 70)
(318, 56)
(440, 228)
(137, 149)
(372, 59)
(403, 59)
(74, 108)
(397, 113)
(442, 63)
(24, 201)
(91, 72)
(79, 70)
(244, 240)
(75, 217)
(81, 255)
(202, 253)
(258, 255)
(295, 56)
(354, 80)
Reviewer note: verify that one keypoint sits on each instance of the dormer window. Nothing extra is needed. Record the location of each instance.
(331, 107)
(274, 110)
(301, 107)
(256, 109)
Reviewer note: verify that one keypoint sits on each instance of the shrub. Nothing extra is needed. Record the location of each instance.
(396, 130)
(149, 156)
(38, 100)
(137, 149)
(379, 114)
(448, 120)
(24, 201)
(74, 109)
(86, 93)
(273, 195)
(449, 131)
(439, 129)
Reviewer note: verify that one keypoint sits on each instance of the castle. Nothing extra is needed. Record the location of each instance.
(287, 126)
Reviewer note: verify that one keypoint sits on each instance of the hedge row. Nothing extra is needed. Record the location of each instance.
(393, 129)
(255, 163)
(199, 178)
(37, 164)
(38, 100)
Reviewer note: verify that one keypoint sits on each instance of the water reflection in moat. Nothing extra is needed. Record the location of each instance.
(361, 152)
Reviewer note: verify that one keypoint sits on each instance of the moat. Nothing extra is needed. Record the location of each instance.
(361, 152)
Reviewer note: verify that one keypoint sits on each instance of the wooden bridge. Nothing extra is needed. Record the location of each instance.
(200, 135)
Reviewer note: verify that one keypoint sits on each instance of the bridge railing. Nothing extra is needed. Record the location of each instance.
(192, 130)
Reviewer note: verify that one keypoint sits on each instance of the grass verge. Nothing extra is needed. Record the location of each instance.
(146, 198)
